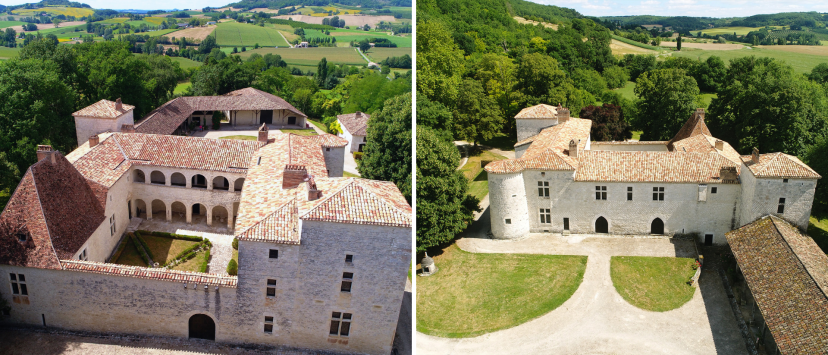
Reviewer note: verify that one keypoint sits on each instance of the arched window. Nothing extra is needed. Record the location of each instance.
(157, 177)
(178, 179)
(220, 183)
(202, 327)
(139, 176)
(238, 184)
(199, 181)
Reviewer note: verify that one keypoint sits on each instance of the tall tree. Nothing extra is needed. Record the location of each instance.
(439, 63)
(436, 116)
(476, 115)
(321, 72)
(667, 99)
(444, 208)
(678, 43)
(608, 123)
(387, 156)
(815, 158)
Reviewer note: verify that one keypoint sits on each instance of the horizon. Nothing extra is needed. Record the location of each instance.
(692, 8)
(142, 5)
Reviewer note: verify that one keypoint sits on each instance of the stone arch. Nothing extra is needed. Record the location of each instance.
(238, 184)
(202, 326)
(601, 225)
(178, 179)
(221, 183)
(657, 226)
(139, 176)
(140, 208)
(219, 215)
(199, 181)
(158, 178)
(235, 210)
(179, 212)
(159, 209)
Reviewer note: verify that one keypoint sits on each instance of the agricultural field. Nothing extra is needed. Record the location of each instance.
(196, 33)
(350, 20)
(4, 24)
(44, 27)
(240, 34)
(159, 33)
(55, 10)
(379, 54)
(346, 36)
(116, 20)
(311, 56)
(621, 48)
(740, 31)
(801, 62)
(186, 63)
(6, 53)
(322, 11)
(705, 46)
(155, 20)
(287, 31)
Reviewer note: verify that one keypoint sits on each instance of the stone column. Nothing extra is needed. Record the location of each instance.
(209, 183)
(149, 211)
(169, 212)
(189, 213)
(231, 185)
(209, 216)
(189, 182)
(147, 179)
(229, 217)
(132, 209)
(167, 179)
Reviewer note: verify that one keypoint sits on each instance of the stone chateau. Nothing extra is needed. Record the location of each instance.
(562, 182)
(323, 259)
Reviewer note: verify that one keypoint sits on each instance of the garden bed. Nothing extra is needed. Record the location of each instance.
(159, 249)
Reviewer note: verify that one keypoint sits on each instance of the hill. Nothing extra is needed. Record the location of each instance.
(278, 4)
(678, 23)
(801, 19)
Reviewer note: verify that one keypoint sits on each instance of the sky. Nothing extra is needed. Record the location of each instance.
(701, 8)
(139, 5)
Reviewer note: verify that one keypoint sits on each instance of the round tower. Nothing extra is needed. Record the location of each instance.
(508, 206)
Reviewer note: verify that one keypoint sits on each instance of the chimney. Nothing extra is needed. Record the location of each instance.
(719, 144)
(573, 149)
(313, 192)
(44, 151)
(118, 105)
(728, 174)
(563, 113)
(127, 128)
(93, 140)
(293, 176)
(263, 133)
(754, 157)
(700, 113)
(358, 114)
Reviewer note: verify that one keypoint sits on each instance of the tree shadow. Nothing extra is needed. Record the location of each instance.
(402, 339)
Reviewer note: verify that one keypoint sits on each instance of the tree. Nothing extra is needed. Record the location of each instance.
(608, 123)
(435, 116)
(589, 80)
(815, 158)
(709, 74)
(439, 63)
(667, 99)
(364, 46)
(678, 43)
(387, 156)
(820, 74)
(616, 77)
(444, 208)
(538, 76)
(56, 21)
(638, 64)
(321, 72)
(476, 116)
(385, 70)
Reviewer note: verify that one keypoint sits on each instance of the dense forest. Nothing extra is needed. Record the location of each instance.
(685, 24)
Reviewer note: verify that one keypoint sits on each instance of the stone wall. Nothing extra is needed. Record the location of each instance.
(530, 127)
(100, 245)
(334, 161)
(760, 197)
(348, 136)
(507, 200)
(87, 126)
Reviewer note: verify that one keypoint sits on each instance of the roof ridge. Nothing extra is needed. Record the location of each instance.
(357, 181)
(798, 259)
(328, 197)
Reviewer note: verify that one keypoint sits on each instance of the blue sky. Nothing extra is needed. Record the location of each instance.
(141, 5)
(708, 8)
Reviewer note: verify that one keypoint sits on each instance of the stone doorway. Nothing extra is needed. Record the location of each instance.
(202, 327)
(601, 225)
(657, 227)
(267, 116)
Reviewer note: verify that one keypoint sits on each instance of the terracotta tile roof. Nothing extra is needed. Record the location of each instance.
(674, 167)
(629, 142)
(356, 123)
(166, 118)
(363, 202)
(24, 208)
(780, 165)
(280, 226)
(694, 126)
(103, 109)
(787, 274)
(330, 140)
(538, 111)
(160, 274)
(702, 143)
(557, 137)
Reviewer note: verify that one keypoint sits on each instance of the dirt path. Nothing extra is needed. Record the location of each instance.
(619, 47)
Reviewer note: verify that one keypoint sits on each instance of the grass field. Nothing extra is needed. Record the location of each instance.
(186, 63)
(474, 294)
(193, 264)
(379, 54)
(818, 228)
(55, 10)
(801, 62)
(4, 24)
(319, 125)
(634, 43)
(300, 132)
(621, 48)
(6, 52)
(654, 284)
(182, 87)
(286, 30)
(117, 20)
(311, 56)
(130, 255)
(155, 20)
(628, 91)
(346, 36)
(347, 174)
(164, 249)
(160, 33)
(740, 31)
(239, 34)
(478, 178)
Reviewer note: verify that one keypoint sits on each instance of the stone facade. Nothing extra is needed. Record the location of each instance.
(88, 126)
(354, 141)
(530, 127)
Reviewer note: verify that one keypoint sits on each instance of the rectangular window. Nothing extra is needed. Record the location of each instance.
(111, 226)
(349, 258)
(327, 149)
(543, 188)
(714, 190)
(566, 224)
(347, 279)
(508, 221)
(340, 324)
(268, 325)
(82, 255)
(545, 216)
(600, 192)
(18, 284)
(702, 192)
(781, 208)
(784, 180)
(271, 288)
(274, 253)
(629, 193)
(658, 194)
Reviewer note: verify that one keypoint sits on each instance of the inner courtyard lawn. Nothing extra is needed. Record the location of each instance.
(130, 256)
(165, 249)
(653, 283)
(193, 264)
(474, 294)
(300, 132)
(241, 137)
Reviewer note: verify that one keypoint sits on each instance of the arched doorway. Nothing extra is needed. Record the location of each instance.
(657, 227)
(140, 208)
(601, 225)
(219, 215)
(220, 183)
(202, 327)
(179, 212)
(159, 210)
(199, 181)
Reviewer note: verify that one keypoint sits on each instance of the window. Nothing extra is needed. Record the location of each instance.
(600, 192)
(629, 193)
(543, 188)
(327, 149)
(112, 225)
(347, 279)
(545, 216)
(271, 288)
(268, 325)
(274, 254)
(22, 237)
(259, 161)
(508, 221)
(714, 190)
(18, 284)
(658, 194)
(82, 255)
(781, 208)
(340, 324)
(784, 180)
(349, 258)
(566, 224)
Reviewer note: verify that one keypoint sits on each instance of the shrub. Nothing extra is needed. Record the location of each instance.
(185, 254)
(357, 155)
(138, 246)
(146, 247)
(205, 262)
(233, 267)
(236, 243)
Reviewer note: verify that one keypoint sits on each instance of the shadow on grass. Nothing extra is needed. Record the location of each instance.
(502, 143)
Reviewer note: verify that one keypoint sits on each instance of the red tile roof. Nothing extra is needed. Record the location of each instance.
(330, 141)
(674, 167)
(538, 111)
(780, 165)
(356, 123)
(787, 273)
(694, 126)
(363, 202)
(103, 109)
(160, 274)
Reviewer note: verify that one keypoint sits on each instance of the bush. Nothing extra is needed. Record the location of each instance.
(185, 254)
(205, 262)
(236, 243)
(138, 246)
(146, 247)
(233, 267)
(358, 155)
(217, 117)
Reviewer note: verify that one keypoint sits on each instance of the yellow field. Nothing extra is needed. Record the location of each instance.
(55, 10)
(621, 48)
(155, 20)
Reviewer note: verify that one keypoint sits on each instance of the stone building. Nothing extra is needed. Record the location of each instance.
(354, 130)
(561, 182)
(323, 259)
(102, 116)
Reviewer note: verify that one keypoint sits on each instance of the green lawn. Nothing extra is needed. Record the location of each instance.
(651, 283)
(346, 36)
(300, 132)
(159, 33)
(193, 264)
(628, 91)
(4, 24)
(240, 34)
(801, 62)
(320, 125)
(312, 56)
(818, 229)
(379, 54)
(347, 174)
(130, 255)
(164, 249)
(637, 135)
(478, 178)
(182, 87)
(474, 294)
(244, 138)
(5, 195)
(706, 99)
